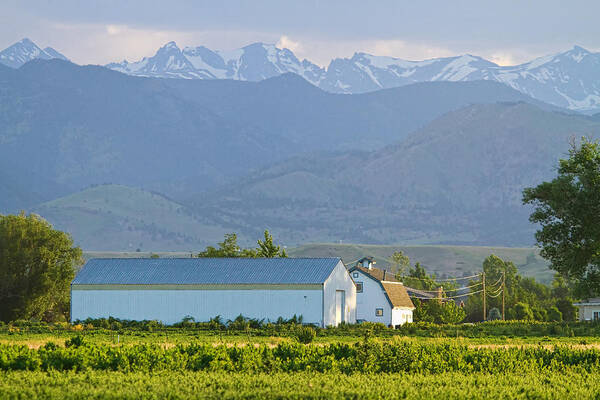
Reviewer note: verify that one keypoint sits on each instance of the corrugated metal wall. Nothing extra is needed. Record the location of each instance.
(171, 306)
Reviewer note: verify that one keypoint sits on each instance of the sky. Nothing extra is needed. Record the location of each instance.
(507, 32)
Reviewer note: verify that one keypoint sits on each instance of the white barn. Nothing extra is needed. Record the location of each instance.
(589, 310)
(380, 297)
(169, 289)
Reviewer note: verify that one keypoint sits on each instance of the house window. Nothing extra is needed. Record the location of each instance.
(379, 312)
(359, 287)
(355, 275)
(596, 315)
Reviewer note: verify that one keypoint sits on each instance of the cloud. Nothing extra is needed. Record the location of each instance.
(287, 43)
(317, 30)
(115, 29)
(322, 51)
(104, 43)
(408, 50)
(503, 58)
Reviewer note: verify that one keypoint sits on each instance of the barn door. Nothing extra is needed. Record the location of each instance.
(340, 306)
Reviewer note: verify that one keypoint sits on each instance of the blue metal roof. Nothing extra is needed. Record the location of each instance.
(154, 271)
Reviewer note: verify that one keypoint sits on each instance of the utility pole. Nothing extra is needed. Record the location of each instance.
(483, 283)
(503, 290)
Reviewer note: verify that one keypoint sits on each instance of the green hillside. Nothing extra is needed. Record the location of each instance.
(111, 217)
(442, 260)
(457, 181)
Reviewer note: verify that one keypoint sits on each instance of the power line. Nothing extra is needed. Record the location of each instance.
(441, 280)
(448, 290)
(497, 282)
(449, 297)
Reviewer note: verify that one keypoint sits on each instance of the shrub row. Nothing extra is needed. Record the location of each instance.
(366, 356)
(288, 328)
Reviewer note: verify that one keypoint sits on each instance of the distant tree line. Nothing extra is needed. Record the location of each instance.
(524, 298)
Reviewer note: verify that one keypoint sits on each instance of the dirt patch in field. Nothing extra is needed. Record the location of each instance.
(33, 344)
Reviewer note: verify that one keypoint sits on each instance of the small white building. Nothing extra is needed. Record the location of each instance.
(169, 289)
(380, 297)
(589, 310)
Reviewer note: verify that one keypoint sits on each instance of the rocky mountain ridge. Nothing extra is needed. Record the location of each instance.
(570, 79)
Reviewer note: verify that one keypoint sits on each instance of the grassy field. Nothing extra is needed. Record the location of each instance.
(127, 218)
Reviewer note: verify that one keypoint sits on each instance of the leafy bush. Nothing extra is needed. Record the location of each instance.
(305, 334)
(554, 314)
(523, 312)
(75, 341)
(439, 312)
(567, 309)
(288, 329)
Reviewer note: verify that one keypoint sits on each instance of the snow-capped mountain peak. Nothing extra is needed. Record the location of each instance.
(254, 62)
(24, 51)
(570, 79)
(577, 53)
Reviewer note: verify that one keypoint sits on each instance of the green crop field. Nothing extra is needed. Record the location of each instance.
(507, 360)
(568, 384)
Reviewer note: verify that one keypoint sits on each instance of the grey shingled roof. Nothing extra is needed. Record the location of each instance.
(155, 271)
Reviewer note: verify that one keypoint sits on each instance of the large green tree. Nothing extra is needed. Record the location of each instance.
(229, 248)
(37, 265)
(568, 210)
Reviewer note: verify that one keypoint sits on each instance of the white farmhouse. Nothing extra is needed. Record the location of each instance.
(589, 310)
(380, 297)
(169, 289)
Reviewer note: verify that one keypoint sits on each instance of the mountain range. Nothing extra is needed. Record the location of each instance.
(65, 127)
(125, 162)
(570, 79)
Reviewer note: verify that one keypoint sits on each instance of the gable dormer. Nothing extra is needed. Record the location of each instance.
(366, 262)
